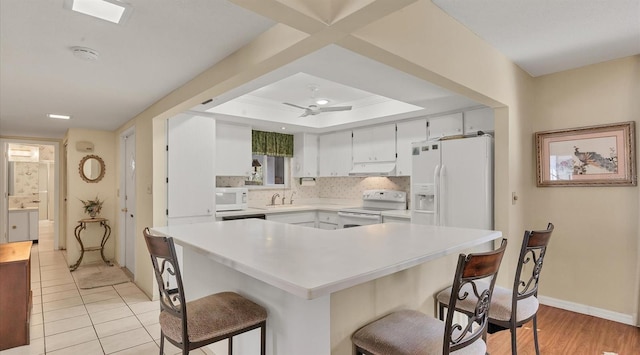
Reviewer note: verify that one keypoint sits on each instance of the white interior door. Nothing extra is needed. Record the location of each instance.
(130, 202)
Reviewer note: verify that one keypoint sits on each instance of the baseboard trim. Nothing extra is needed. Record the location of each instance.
(588, 310)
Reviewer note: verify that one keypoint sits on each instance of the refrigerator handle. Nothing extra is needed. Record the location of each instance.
(436, 195)
(442, 179)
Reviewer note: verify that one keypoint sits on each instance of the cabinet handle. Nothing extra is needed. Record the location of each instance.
(14, 227)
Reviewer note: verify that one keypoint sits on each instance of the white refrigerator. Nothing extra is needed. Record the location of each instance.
(452, 182)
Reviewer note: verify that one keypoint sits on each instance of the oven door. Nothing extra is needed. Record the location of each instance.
(352, 219)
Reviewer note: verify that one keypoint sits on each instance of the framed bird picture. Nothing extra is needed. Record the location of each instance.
(589, 156)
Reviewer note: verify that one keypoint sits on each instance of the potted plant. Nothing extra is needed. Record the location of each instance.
(92, 207)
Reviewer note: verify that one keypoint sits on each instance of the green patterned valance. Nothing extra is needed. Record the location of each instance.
(272, 143)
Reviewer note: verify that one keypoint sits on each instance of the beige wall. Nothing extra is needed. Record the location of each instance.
(593, 256)
(78, 189)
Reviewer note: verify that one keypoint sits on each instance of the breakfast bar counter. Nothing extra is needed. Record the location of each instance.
(320, 285)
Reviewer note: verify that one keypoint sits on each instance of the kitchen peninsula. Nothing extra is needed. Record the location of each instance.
(319, 285)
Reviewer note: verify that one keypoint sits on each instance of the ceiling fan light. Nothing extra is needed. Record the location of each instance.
(322, 101)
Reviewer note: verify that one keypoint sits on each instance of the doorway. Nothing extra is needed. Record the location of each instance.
(30, 181)
(128, 201)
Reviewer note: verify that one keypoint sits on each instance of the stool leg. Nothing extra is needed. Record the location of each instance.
(535, 333)
(263, 339)
(514, 345)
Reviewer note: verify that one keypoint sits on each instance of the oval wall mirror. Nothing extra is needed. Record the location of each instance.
(91, 168)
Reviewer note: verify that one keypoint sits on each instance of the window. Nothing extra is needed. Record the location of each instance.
(268, 171)
(270, 160)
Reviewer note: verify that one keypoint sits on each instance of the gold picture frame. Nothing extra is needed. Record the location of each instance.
(601, 155)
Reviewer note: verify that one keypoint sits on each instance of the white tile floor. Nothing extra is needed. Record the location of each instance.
(117, 319)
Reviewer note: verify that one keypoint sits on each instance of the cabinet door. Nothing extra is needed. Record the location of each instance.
(18, 226)
(34, 228)
(335, 155)
(327, 226)
(305, 155)
(384, 143)
(293, 217)
(233, 150)
(374, 144)
(408, 132)
(478, 120)
(326, 155)
(190, 167)
(343, 157)
(362, 151)
(445, 126)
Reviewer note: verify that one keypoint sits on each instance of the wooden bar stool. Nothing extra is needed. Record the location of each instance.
(511, 308)
(411, 332)
(194, 324)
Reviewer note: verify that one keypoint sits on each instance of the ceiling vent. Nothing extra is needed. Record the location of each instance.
(85, 53)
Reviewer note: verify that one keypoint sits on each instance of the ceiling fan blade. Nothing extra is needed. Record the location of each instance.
(335, 108)
(306, 113)
(296, 106)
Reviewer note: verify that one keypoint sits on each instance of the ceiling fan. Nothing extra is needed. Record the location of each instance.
(315, 109)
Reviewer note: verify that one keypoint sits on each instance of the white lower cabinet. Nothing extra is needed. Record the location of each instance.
(306, 218)
(327, 220)
(387, 219)
(23, 225)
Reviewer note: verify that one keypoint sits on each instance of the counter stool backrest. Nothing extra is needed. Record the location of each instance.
(475, 273)
(532, 253)
(167, 272)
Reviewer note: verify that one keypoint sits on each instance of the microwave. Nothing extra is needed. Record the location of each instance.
(231, 198)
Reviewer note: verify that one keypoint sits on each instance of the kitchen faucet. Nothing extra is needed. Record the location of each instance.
(290, 198)
(273, 198)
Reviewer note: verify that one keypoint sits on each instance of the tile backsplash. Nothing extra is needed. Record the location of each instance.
(327, 187)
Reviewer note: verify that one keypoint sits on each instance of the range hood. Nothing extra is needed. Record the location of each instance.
(373, 169)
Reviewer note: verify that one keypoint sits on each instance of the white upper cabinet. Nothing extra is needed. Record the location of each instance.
(305, 155)
(478, 120)
(408, 132)
(334, 158)
(374, 144)
(233, 150)
(445, 126)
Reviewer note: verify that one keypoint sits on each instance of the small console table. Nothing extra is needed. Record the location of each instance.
(82, 225)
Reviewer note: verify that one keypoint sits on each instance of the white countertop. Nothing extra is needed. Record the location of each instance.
(310, 262)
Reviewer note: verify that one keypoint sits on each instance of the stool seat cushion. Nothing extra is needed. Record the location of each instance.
(408, 332)
(500, 308)
(212, 316)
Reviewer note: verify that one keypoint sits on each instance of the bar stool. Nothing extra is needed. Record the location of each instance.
(411, 332)
(511, 308)
(194, 324)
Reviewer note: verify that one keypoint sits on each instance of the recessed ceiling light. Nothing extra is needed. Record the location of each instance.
(108, 10)
(322, 101)
(283, 128)
(60, 117)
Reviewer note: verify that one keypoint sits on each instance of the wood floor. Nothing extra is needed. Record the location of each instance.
(562, 332)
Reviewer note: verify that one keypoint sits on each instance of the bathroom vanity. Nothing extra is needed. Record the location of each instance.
(23, 224)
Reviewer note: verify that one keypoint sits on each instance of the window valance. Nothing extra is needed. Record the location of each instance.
(272, 143)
